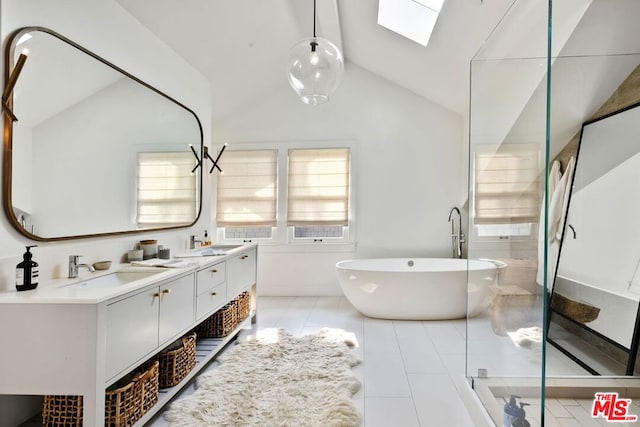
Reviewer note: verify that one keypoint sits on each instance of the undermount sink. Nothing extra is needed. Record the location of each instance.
(216, 250)
(116, 279)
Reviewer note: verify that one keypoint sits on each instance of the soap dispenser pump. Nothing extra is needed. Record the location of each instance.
(27, 272)
(514, 416)
(206, 241)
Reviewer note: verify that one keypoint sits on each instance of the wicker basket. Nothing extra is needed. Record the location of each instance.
(175, 364)
(123, 406)
(242, 306)
(219, 324)
(127, 404)
(62, 411)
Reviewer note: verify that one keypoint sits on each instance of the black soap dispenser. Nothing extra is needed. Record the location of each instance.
(27, 272)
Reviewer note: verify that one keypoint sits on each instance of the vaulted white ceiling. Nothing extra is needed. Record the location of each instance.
(242, 45)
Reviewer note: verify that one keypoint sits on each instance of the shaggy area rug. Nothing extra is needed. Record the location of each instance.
(276, 379)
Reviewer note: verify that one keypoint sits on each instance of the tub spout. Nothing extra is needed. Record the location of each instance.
(457, 236)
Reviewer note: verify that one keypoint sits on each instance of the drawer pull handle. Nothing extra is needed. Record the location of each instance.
(157, 294)
(244, 257)
(214, 271)
(213, 294)
(166, 291)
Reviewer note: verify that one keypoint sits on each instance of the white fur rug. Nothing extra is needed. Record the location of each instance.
(276, 379)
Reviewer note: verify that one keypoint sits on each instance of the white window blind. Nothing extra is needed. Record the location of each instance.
(318, 187)
(507, 187)
(247, 188)
(166, 188)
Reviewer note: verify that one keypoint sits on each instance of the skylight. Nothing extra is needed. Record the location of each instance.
(413, 19)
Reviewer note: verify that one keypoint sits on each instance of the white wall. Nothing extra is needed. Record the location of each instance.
(407, 173)
(21, 189)
(605, 208)
(606, 250)
(106, 29)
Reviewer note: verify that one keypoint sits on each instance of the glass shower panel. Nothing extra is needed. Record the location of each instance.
(594, 256)
(507, 168)
(556, 122)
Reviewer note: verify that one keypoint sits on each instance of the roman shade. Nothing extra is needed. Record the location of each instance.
(247, 188)
(166, 188)
(318, 187)
(506, 184)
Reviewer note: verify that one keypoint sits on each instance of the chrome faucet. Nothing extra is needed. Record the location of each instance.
(457, 238)
(192, 241)
(74, 266)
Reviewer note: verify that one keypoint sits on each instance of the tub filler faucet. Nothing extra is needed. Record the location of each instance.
(457, 237)
(74, 266)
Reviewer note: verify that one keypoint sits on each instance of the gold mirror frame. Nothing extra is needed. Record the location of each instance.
(7, 162)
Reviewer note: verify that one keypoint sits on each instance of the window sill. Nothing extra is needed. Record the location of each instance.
(307, 247)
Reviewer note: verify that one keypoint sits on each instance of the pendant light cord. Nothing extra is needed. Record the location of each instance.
(314, 19)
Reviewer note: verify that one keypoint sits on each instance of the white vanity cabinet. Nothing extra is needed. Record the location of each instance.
(241, 272)
(137, 324)
(70, 340)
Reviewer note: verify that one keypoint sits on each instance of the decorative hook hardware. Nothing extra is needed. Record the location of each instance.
(11, 83)
(206, 155)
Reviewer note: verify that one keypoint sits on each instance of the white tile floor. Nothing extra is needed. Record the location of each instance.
(412, 370)
(408, 367)
(502, 358)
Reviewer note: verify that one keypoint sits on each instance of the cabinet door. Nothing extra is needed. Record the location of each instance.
(241, 272)
(176, 307)
(210, 301)
(132, 330)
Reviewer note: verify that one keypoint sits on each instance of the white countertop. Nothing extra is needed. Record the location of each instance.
(62, 291)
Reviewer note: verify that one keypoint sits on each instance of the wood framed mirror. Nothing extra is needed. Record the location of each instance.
(95, 151)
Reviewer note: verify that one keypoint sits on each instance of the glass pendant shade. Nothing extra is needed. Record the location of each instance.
(314, 69)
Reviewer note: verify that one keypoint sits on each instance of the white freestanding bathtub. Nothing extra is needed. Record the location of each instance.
(417, 288)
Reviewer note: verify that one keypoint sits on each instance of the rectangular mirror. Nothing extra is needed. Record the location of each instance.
(94, 151)
(595, 296)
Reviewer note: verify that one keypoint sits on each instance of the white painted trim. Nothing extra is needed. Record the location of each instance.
(472, 403)
(281, 240)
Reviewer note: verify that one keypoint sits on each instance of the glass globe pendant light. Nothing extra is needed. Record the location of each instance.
(314, 68)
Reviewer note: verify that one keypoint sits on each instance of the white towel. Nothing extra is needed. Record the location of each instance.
(557, 216)
(554, 179)
(568, 174)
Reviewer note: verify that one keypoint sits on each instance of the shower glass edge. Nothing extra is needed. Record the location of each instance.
(508, 156)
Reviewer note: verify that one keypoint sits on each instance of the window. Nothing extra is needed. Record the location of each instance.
(318, 193)
(413, 19)
(166, 188)
(247, 202)
(506, 189)
(309, 195)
